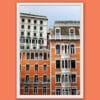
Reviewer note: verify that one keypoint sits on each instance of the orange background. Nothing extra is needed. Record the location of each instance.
(8, 48)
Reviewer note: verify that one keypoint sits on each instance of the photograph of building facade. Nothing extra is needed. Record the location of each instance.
(49, 57)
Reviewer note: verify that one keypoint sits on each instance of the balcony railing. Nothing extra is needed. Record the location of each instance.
(33, 82)
(64, 37)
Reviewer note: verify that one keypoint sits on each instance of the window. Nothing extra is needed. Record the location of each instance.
(57, 64)
(28, 40)
(26, 90)
(34, 27)
(42, 41)
(36, 55)
(34, 34)
(29, 20)
(27, 77)
(22, 26)
(73, 91)
(58, 77)
(28, 55)
(57, 32)
(35, 21)
(44, 90)
(41, 28)
(32, 55)
(40, 34)
(27, 67)
(72, 48)
(73, 77)
(35, 90)
(33, 41)
(58, 91)
(45, 67)
(36, 78)
(34, 47)
(44, 78)
(45, 56)
(40, 57)
(28, 33)
(22, 33)
(23, 20)
(27, 47)
(71, 32)
(28, 26)
(36, 67)
(41, 22)
(21, 47)
(57, 49)
(72, 63)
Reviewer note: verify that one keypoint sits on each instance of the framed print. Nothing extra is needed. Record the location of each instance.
(50, 50)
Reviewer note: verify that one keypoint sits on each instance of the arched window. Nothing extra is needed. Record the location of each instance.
(72, 49)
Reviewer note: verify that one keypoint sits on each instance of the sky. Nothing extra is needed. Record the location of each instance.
(53, 13)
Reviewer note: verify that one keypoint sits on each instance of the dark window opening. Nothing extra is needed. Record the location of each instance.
(45, 56)
(28, 55)
(36, 78)
(57, 49)
(32, 55)
(57, 63)
(36, 67)
(72, 63)
(44, 78)
(27, 67)
(27, 77)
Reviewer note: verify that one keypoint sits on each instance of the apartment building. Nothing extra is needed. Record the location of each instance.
(49, 61)
(65, 58)
(34, 55)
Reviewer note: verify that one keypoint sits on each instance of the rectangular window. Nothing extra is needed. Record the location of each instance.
(58, 77)
(72, 63)
(73, 77)
(28, 33)
(34, 27)
(45, 56)
(29, 20)
(35, 21)
(28, 55)
(32, 55)
(27, 67)
(44, 78)
(41, 22)
(45, 67)
(22, 26)
(23, 20)
(26, 90)
(44, 91)
(57, 49)
(36, 67)
(27, 77)
(28, 27)
(73, 91)
(58, 91)
(41, 28)
(35, 90)
(36, 78)
(57, 64)
(22, 33)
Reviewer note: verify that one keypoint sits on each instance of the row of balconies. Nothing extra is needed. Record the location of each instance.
(35, 82)
(64, 37)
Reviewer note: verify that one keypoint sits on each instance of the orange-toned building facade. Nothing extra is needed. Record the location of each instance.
(49, 61)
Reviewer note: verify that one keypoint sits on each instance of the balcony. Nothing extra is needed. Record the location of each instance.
(33, 82)
(64, 37)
